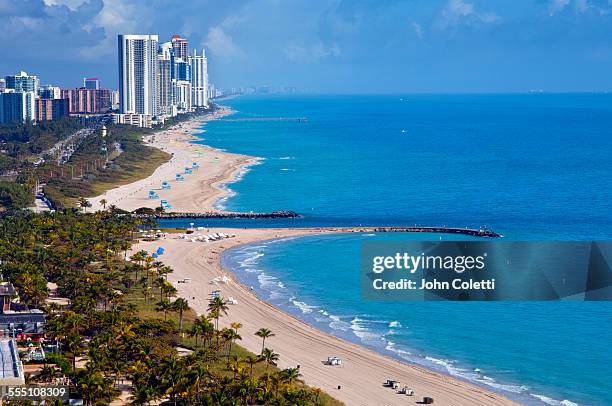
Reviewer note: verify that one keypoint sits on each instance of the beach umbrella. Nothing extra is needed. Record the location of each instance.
(160, 251)
(154, 255)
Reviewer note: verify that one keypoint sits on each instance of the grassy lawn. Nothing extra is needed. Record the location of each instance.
(136, 161)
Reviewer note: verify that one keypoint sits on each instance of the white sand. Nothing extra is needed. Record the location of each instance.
(363, 371)
(199, 191)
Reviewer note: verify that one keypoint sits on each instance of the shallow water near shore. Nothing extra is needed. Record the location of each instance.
(528, 166)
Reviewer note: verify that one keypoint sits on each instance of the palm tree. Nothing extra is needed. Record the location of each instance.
(270, 357)
(217, 306)
(207, 328)
(291, 374)
(230, 335)
(74, 343)
(252, 360)
(164, 306)
(84, 204)
(103, 202)
(196, 331)
(180, 305)
(264, 333)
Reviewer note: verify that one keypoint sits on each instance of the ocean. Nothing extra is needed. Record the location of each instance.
(529, 166)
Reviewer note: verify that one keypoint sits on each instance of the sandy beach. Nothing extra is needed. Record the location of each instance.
(199, 190)
(362, 372)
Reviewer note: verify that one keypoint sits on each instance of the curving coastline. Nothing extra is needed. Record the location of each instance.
(363, 371)
(200, 190)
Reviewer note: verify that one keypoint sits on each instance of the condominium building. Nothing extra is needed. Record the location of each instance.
(22, 82)
(182, 95)
(87, 101)
(2, 85)
(199, 79)
(180, 47)
(114, 99)
(17, 106)
(164, 79)
(51, 109)
(138, 74)
(138, 120)
(91, 83)
(50, 92)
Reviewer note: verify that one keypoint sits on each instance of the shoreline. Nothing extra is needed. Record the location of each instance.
(199, 191)
(299, 343)
(204, 190)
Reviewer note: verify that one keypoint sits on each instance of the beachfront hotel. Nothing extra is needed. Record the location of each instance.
(138, 74)
(199, 79)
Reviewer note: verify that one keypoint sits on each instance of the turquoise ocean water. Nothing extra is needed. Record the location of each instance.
(527, 166)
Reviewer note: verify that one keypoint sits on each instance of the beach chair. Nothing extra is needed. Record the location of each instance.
(166, 185)
(179, 177)
(188, 171)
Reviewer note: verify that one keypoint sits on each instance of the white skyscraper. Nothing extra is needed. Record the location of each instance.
(199, 79)
(138, 74)
(164, 81)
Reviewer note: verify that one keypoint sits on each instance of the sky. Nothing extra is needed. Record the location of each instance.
(328, 46)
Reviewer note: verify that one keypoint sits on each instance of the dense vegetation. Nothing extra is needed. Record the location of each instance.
(15, 195)
(92, 169)
(24, 139)
(124, 323)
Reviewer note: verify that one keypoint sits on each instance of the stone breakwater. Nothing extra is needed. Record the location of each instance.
(222, 215)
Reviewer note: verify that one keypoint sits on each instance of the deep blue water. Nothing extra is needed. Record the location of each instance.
(527, 166)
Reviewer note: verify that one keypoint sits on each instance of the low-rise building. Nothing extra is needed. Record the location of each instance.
(16, 320)
(11, 372)
(138, 120)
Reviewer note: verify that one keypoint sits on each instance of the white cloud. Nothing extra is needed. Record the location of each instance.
(310, 54)
(556, 6)
(222, 46)
(71, 4)
(418, 29)
(459, 12)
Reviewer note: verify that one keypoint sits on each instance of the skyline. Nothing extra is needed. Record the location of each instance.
(395, 46)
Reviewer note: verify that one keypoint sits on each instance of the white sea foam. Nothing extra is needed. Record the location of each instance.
(287, 170)
(361, 328)
(229, 193)
(553, 402)
(284, 158)
(305, 308)
(338, 324)
(250, 260)
(266, 281)
(395, 323)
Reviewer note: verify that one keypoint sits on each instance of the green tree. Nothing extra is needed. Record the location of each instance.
(263, 333)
